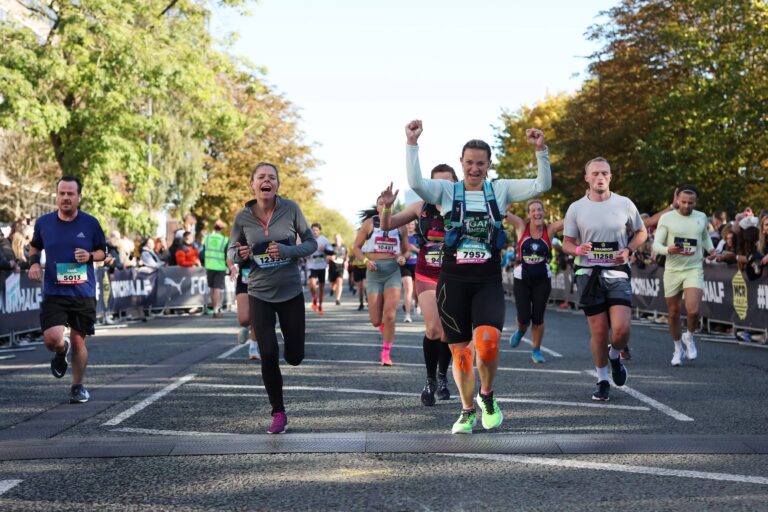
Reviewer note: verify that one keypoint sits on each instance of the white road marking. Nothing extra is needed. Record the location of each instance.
(544, 349)
(7, 485)
(650, 401)
(147, 401)
(394, 347)
(399, 393)
(231, 351)
(157, 432)
(599, 466)
(421, 365)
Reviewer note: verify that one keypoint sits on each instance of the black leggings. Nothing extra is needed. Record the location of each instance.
(531, 299)
(291, 315)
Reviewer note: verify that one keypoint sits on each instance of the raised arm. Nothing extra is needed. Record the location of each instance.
(389, 221)
(555, 228)
(522, 190)
(517, 223)
(429, 190)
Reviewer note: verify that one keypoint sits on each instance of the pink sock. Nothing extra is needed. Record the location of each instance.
(381, 328)
(387, 346)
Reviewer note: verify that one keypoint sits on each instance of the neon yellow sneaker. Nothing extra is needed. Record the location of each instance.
(467, 420)
(492, 416)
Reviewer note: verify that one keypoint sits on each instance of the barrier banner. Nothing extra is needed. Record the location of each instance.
(132, 288)
(181, 287)
(20, 300)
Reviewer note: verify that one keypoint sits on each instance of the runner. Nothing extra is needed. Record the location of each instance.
(383, 252)
(316, 264)
(598, 221)
(470, 296)
(270, 225)
(215, 264)
(408, 271)
(336, 267)
(682, 236)
(357, 273)
(72, 240)
(430, 235)
(532, 273)
(239, 273)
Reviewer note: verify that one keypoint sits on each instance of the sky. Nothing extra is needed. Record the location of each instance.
(359, 71)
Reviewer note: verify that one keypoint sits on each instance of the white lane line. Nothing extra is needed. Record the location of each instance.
(399, 393)
(650, 401)
(231, 351)
(600, 466)
(394, 347)
(147, 401)
(7, 485)
(421, 365)
(157, 432)
(544, 349)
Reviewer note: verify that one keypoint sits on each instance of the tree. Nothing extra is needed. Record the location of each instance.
(30, 169)
(87, 88)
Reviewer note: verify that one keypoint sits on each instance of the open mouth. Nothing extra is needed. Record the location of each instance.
(266, 188)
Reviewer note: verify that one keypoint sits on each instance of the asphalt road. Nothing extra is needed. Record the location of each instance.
(178, 415)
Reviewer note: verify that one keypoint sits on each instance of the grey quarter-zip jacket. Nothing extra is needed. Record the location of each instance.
(273, 280)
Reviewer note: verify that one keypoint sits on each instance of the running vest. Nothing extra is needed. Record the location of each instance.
(215, 252)
(430, 232)
(382, 242)
(533, 255)
(475, 239)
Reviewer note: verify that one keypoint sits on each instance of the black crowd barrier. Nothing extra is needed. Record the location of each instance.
(123, 290)
(728, 296)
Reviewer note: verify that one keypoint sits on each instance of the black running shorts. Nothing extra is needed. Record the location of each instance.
(79, 313)
(462, 306)
(216, 278)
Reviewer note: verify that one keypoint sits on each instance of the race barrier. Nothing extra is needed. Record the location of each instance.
(728, 296)
(117, 292)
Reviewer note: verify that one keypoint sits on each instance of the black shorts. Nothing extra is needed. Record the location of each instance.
(408, 271)
(318, 273)
(216, 278)
(359, 274)
(531, 299)
(79, 313)
(462, 306)
(335, 271)
(240, 287)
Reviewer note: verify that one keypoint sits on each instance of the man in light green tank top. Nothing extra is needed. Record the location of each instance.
(683, 237)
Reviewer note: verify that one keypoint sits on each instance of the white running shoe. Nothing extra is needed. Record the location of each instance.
(677, 357)
(408, 319)
(253, 351)
(242, 335)
(690, 346)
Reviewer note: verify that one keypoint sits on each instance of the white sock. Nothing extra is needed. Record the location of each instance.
(613, 353)
(253, 343)
(602, 373)
(678, 345)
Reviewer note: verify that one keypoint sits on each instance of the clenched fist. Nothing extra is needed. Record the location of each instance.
(413, 131)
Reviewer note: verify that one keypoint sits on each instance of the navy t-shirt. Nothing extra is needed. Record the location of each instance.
(63, 274)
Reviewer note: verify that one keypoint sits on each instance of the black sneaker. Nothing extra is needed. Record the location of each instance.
(360, 307)
(338, 303)
(78, 394)
(59, 363)
(428, 393)
(618, 371)
(602, 390)
(625, 355)
(442, 388)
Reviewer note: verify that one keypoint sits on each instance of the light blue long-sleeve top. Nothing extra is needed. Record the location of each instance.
(507, 191)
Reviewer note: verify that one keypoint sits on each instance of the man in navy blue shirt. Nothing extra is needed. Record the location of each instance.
(72, 240)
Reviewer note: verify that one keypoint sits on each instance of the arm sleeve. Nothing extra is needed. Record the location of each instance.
(522, 190)
(234, 236)
(308, 243)
(660, 238)
(430, 191)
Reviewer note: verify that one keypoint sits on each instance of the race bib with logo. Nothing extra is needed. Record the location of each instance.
(267, 261)
(603, 253)
(71, 273)
(471, 251)
(434, 255)
(384, 245)
(688, 245)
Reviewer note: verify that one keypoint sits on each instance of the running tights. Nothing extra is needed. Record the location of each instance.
(291, 315)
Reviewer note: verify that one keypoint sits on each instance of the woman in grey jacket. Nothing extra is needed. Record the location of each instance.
(271, 225)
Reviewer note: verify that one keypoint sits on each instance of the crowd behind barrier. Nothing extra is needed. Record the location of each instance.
(118, 292)
(729, 298)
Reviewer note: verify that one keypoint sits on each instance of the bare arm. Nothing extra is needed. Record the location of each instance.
(555, 227)
(362, 234)
(410, 213)
(517, 223)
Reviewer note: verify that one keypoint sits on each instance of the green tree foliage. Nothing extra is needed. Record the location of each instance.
(677, 93)
(30, 169)
(86, 88)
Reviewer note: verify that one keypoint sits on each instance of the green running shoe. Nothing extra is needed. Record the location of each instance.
(492, 416)
(467, 420)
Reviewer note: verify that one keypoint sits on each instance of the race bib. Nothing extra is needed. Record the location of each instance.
(688, 245)
(470, 251)
(533, 259)
(244, 273)
(434, 255)
(603, 253)
(384, 245)
(267, 261)
(71, 273)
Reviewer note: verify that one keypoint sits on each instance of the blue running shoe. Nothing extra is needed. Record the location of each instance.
(618, 371)
(515, 339)
(536, 356)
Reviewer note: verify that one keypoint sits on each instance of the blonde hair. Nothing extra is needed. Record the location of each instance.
(533, 201)
(596, 159)
(18, 241)
(761, 239)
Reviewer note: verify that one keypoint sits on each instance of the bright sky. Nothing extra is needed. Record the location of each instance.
(360, 70)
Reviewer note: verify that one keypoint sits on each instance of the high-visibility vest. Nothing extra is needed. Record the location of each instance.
(215, 251)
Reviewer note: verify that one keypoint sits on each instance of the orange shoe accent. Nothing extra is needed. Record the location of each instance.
(462, 358)
(314, 305)
(487, 342)
(320, 311)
